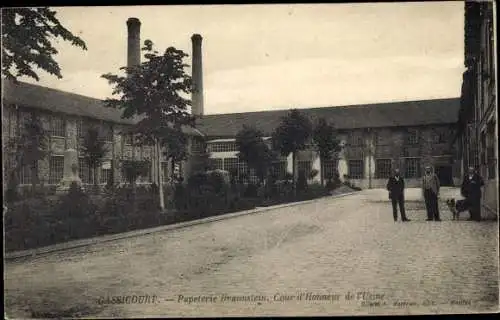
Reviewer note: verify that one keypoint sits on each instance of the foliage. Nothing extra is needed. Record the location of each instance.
(254, 151)
(302, 182)
(94, 150)
(197, 179)
(133, 169)
(325, 140)
(26, 42)
(75, 204)
(333, 182)
(217, 181)
(154, 92)
(292, 135)
(201, 162)
(175, 141)
(30, 147)
(313, 174)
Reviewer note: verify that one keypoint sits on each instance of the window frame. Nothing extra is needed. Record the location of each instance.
(418, 167)
(378, 170)
(362, 168)
(52, 178)
(412, 137)
(55, 119)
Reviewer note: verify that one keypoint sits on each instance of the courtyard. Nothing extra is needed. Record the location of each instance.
(333, 256)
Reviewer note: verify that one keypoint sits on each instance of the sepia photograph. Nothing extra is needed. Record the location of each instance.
(250, 160)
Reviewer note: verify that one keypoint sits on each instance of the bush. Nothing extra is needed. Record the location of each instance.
(217, 179)
(197, 179)
(75, 213)
(333, 182)
(251, 191)
(352, 186)
(301, 182)
(313, 174)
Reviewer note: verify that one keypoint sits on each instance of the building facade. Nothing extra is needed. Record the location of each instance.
(66, 118)
(478, 131)
(376, 139)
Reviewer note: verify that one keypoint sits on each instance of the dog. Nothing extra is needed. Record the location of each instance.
(456, 207)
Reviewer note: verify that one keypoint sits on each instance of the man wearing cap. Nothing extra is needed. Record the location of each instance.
(430, 190)
(396, 186)
(471, 190)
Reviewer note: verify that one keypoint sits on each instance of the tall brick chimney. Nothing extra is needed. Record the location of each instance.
(197, 75)
(133, 42)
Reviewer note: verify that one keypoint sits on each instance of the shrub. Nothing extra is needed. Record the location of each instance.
(28, 224)
(75, 213)
(180, 197)
(217, 179)
(301, 182)
(197, 179)
(313, 174)
(251, 191)
(333, 182)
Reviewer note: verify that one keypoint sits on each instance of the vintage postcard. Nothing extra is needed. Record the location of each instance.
(250, 160)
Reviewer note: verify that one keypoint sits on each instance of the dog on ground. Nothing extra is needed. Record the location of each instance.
(456, 207)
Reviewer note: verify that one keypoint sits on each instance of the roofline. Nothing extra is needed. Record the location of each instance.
(122, 121)
(361, 105)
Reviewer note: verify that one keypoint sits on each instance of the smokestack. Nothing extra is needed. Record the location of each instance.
(133, 42)
(197, 75)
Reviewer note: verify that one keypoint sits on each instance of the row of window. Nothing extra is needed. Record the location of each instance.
(383, 168)
(57, 125)
(56, 172)
(356, 169)
(222, 147)
(354, 140)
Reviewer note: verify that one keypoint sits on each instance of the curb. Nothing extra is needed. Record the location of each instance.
(136, 233)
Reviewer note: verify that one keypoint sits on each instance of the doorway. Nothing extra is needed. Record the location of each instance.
(445, 175)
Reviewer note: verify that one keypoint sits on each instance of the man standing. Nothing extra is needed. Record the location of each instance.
(430, 189)
(396, 186)
(471, 190)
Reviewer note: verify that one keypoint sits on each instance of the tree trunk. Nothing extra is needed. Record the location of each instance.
(160, 182)
(322, 170)
(294, 184)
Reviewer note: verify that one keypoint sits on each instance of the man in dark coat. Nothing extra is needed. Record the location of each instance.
(396, 186)
(471, 190)
(430, 191)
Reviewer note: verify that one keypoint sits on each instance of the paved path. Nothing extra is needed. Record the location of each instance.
(317, 251)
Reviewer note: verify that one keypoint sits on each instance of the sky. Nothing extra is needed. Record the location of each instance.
(268, 57)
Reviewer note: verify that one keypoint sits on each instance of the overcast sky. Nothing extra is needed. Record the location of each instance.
(262, 57)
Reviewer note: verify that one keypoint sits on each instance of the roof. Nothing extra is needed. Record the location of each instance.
(392, 114)
(53, 100)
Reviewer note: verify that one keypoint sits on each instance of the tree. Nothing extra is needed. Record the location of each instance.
(326, 142)
(30, 147)
(26, 42)
(292, 135)
(202, 160)
(175, 142)
(133, 169)
(94, 150)
(155, 92)
(254, 151)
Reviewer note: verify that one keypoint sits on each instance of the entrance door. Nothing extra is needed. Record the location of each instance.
(445, 175)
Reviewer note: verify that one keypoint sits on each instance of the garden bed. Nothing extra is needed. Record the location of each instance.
(39, 222)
